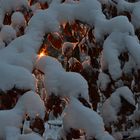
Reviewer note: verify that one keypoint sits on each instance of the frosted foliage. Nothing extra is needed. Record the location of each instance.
(7, 33)
(10, 77)
(92, 127)
(67, 46)
(72, 60)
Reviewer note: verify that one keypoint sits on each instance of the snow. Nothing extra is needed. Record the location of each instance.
(26, 127)
(12, 133)
(15, 76)
(136, 116)
(31, 136)
(29, 103)
(58, 13)
(88, 16)
(92, 127)
(66, 84)
(115, 44)
(129, 66)
(47, 62)
(103, 81)
(124, 6)
(7, 34)
(52, 132)
(43, 1)
(136, 16)
(117, 24)
(7, 6)
(113, 104)
(7, 118)
(117, 135)
(17, 20)
(108, 113)
(2, 44)
(135, 133)
(59, 82)
(132, 8)
(112, 48)
(19, 58)
(22, 59)
(32, 104)
(133, 47)
(127, 94)
(39, 24)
